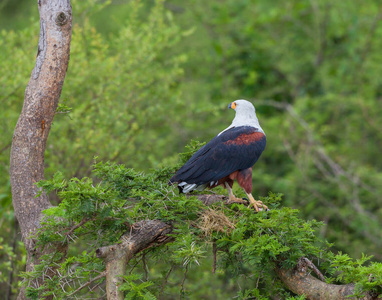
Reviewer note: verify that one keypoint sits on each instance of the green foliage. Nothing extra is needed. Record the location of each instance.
(191, 148)
(187, 250)
(63, 108)
(136, 290)
(5, 266)
(367, 277)
(323, 59)
(32, 293)
(144, 79)
(250, 294)
(281, 236)
(120, 90)
(98, 214)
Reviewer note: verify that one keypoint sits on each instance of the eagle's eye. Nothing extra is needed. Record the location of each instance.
(233, 105)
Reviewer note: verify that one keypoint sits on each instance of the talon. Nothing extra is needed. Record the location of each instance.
(257, 204)
(232, 200)
(254, 206)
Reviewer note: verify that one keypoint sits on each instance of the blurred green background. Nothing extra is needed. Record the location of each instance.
(146, 77)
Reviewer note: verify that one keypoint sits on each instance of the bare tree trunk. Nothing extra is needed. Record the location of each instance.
(31, 133)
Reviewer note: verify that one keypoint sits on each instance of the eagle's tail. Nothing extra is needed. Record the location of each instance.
(185, 187)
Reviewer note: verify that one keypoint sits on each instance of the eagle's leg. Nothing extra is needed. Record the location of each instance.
(256, 204)
(244, 179)
(232, 198)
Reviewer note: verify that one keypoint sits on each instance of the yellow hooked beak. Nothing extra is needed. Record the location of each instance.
(232, 105)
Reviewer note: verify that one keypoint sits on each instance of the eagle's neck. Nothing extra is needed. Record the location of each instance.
(247, 118)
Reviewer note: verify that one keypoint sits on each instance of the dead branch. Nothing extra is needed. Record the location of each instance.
(211, 199)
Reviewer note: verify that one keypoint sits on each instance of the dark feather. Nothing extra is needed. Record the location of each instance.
(235, 149)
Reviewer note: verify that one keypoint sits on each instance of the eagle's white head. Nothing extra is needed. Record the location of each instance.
(245, 114)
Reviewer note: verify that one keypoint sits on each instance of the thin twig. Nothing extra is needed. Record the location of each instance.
(10, 280)
(182, 285)
(165, 281)
(5, 147)
(214, 252)
(145, 266)
(258, 279)
(367, 46)
(133, 267)
(103, 274)
(83, 221)
(314, 268)
(335, 167)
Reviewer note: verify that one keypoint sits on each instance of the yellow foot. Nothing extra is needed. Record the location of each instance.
(256, 204)
(232, 200)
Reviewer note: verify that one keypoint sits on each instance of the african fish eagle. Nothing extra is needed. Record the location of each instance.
(228, 156)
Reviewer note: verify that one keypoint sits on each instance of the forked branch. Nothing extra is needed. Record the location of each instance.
(142, 235)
